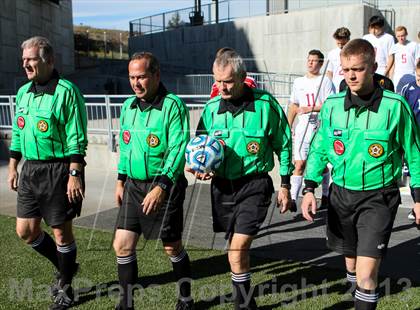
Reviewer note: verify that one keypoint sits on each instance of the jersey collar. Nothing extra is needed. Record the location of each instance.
(156, 103)
(244, 103)
(372, 104)
(46, 88)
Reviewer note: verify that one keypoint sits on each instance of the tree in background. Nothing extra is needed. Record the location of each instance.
(175, 21)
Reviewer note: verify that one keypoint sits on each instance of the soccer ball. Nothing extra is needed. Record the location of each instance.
(204, 154)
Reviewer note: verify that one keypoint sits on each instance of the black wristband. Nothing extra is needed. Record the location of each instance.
(77, 158)
(16, 155)
(285, 179)
(122, 177)
(308, 190)
(311, 184)
(165, 183)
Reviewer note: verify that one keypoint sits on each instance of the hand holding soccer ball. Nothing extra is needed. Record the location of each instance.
(204, 155)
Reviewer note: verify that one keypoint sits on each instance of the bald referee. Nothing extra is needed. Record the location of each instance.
(364, 134)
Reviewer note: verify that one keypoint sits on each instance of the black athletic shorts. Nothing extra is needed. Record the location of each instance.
(42, 192)
(360, 222)
(240, 206)
(166, 223)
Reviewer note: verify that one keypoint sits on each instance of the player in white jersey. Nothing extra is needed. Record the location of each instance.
(381, 41)
(334, 72)
(403, 55)
(308, 94)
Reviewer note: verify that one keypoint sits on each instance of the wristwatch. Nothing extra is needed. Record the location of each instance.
(75, 173)
(307, 190)
(286, 186)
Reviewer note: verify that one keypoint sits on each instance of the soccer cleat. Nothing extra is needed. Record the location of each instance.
(55, 287)
(324, 203)
(293, 206)
(185, 305)
(411, 215)
(63, 300)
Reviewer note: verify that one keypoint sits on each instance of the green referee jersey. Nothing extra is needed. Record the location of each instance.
(50, 121)
(252, 128)
(153, 137)
(365, 144)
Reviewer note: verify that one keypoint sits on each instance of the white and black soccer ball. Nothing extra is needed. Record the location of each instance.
(204, 154)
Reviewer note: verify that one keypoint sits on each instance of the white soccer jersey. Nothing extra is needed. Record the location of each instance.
(334, 65)
(405, 57)
(303, 94)
(382, 45)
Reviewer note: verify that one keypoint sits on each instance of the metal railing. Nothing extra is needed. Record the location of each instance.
(230, 10)
(278, 84)
(103, 113)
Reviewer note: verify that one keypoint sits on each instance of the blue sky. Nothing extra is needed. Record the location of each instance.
(116, 14)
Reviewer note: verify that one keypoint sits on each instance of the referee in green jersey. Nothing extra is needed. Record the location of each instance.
(151, 184)
(49, 132)
(251, 125)
(364, 134)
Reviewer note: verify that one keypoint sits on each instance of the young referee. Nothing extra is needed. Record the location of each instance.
(364, 134)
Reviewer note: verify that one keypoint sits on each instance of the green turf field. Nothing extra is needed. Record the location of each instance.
(25, 277)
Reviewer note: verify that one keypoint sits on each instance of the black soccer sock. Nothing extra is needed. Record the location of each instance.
(351, 282)
(45, 246)
(127, 276)
(241, 283)
(66, 259)
(365, 299)
(182, 271)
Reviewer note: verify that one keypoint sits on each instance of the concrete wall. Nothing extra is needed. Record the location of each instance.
(409, 17)
(276, 43)
(21, 19)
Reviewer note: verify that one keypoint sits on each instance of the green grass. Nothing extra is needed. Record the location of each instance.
(281, 284)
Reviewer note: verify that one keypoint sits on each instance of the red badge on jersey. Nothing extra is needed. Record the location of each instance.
(21, 122)
(126, 136)
(339, 147)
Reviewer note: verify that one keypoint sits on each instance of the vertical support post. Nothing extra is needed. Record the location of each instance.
(111, 141)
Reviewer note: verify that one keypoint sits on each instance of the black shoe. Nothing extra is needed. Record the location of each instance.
(293, 206)
(324, 203)
(63, 300)
(55, 287)
(185, 305)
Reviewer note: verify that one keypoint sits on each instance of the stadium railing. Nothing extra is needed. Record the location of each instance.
(103, 113)
(230, 10)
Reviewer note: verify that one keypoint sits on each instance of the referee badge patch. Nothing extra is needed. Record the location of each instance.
(21, 122)
(339, 147)
(152, 140)
(126, 136)
(253, 147)
(375, 150)
(42, 126)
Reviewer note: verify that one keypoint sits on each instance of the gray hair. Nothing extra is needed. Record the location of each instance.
(46, 51)
(228, 56)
